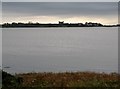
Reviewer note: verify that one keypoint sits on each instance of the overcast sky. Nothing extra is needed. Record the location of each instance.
(50, 12)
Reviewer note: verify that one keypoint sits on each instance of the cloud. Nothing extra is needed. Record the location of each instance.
(60, 9)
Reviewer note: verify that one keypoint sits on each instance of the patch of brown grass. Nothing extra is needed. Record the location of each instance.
(69, 79)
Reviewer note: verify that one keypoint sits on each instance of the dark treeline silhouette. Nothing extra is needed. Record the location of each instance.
(60, 24)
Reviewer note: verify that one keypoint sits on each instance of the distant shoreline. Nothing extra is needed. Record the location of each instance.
(60, 24)
(58, 27)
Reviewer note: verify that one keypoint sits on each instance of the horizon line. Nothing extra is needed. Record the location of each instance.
(56, 22)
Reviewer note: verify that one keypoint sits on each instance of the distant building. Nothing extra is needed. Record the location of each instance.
(93, 24)
(61, 22)
(80, 24)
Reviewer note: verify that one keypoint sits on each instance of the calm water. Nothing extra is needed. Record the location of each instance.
(60, 49)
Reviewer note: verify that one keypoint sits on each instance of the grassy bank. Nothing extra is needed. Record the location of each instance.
(66, 79)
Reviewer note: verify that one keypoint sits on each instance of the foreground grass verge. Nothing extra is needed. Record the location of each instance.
(66, 79)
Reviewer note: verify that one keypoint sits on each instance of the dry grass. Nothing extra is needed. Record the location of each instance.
(69, 79)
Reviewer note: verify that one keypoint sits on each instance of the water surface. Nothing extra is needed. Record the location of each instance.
(60, 49)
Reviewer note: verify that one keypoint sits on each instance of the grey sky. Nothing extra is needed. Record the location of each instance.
(60, 11)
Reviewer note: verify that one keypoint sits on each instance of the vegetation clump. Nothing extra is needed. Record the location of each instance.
(10, 81)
